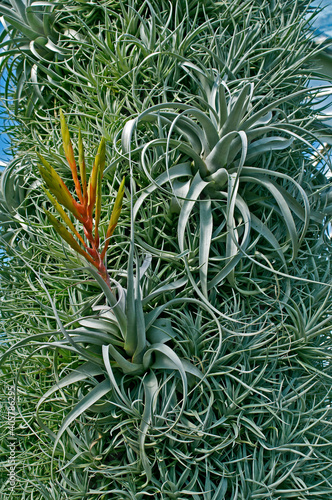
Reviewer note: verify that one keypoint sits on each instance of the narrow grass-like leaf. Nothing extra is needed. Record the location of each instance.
(113, 301)
(128, 367)
(266, 145)
(81, 162)
(95, 394)
(131, 339)
(218, 156)
(86, 371)
(97, 170)
(58, 188)
(64, 216)
(238, 111)
(123, 397)
(175, 172)
(140, 323)
(62, 231)
(164, 288)
(165, 358)
(68, 147)
(117, 207)
(232, 235)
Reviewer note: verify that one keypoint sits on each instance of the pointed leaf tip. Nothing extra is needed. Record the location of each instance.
(97, 173)
(64, 216)
(58, 188)
(66, 236)
(69, 152)
(81, 162)
(114, 216)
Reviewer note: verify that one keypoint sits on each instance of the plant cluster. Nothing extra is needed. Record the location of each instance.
(170, 336)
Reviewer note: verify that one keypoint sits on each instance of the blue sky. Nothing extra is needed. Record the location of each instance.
(324, 20)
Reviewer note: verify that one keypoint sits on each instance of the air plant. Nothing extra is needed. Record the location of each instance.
(193, 377)
(208, 156)
(30, 29)
(127, 340)
(89, 204)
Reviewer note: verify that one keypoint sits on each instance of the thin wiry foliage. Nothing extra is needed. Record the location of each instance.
(200, 368)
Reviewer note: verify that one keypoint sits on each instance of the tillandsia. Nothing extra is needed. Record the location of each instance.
(222, 157)
(206, 374)
(135, 341)
(88, 209)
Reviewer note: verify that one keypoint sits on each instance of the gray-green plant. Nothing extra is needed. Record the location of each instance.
(201, 368)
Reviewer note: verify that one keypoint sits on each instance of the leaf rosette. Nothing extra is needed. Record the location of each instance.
(217, 157)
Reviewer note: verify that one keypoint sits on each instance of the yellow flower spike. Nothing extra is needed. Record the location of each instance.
(67, 145)
(65, 235)
(114, 216)
(58, 188)
(64, 216)
(97, 169)
(81, 162)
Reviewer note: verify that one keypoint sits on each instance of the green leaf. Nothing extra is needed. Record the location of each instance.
(151, 387)
(195, 190)
(58, 188)
(160, 332)
(283, 205)
(232, 233)
(140, 323)
(86, 371)
(168, 287)
(128, 367)
(131, 339)
(65, 235)
(175, 172)
(219, 155)
(206, 227)
(236, 250)
(116, 211)
(267, 144)
(238, 111)
(95, 394)
(64, 216)
(69, 152)
(116, 304)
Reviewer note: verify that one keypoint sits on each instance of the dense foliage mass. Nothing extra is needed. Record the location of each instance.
(191, 357)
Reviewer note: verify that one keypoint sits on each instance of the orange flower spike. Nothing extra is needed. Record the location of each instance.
(58, 188)
(65, 235)
(114, 216)
(97, 169)
(98, 207)
(64, 216)
(67, 145)
(81, 162)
